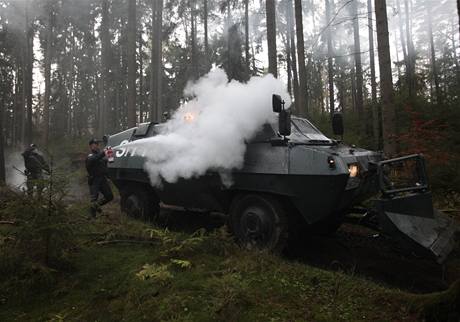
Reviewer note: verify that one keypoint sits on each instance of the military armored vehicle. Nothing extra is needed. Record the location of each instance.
(295, 181)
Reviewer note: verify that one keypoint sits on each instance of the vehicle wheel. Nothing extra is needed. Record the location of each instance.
(259, 221)
(140, 203)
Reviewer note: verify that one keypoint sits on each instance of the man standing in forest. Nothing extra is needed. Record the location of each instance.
(96, 165)
(35, 164)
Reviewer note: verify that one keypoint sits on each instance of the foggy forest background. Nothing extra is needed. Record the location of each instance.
(74, 69)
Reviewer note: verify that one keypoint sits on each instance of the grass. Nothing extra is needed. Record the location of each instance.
(152, 274)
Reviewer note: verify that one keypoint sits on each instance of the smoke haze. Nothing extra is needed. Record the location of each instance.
(209, 131)
(14, 163)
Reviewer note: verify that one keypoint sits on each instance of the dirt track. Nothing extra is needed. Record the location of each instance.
(353, 250)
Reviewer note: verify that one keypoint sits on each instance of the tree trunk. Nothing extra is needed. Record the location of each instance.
(24, 91)
(105, 47)
(48, 54)
(141, 81)
(374, 108)
(288, 64)
(206, 37)
(28, 86)
(303, 98)
(359, 69)
(410, 52)
(434, 70)
(353, 90)
(132, 70)
(271, 37)
(458, 13)
(246, 36)
(386, 79)
(2, 141)
(16, 104)
(330, 66)
(401, 35)
(71, 116)
(291, 40)
(454, 49)
(156, 63)
(27, 78)
(194, 60)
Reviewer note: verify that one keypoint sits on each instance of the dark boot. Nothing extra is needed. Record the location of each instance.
(93, 210)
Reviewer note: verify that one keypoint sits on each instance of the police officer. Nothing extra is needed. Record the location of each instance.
(96, 165)
(35, 164)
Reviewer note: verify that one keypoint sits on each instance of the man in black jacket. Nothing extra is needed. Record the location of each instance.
(96, 165)
(35, 164)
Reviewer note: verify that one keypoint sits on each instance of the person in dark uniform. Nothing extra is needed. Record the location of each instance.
(35, 164)
(96, 165)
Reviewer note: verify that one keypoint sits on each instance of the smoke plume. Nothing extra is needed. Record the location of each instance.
(209, 131)
(14, 166)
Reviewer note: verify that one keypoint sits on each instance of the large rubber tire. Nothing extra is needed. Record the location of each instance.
(140, 203)
(259, 221)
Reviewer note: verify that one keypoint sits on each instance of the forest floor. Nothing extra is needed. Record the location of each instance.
(187, 268)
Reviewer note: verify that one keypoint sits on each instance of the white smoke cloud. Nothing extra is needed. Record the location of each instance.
(14, 166)
(209, 131)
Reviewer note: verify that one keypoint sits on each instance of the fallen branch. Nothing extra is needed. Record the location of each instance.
(126, 241)
(6, 222)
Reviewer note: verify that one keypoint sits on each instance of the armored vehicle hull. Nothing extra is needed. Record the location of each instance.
(286, 187)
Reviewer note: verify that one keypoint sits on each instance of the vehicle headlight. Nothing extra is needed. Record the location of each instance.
(353, 169)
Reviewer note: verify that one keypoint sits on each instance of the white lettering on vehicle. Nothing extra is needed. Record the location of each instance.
(122, 151)
(128, 151)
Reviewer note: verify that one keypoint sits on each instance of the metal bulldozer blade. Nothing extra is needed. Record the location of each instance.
(412, 221)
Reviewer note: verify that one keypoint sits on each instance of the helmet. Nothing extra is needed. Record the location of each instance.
(93, 141)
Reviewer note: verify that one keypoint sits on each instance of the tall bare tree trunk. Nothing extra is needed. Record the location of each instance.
(386, 79)
(25, 81)
(458, 13)
(156, 63)
(434, 70)
(288, 64)
(71, 116)
(2, 141)
(206, 37)
(359, 68)
(402, 37)
(105, 47)
(141, 81)
(291, 41)
(29, 81)
(271, 37)
(17, 106)
(132, 70)
(410, 52)
(246, 36)
(193, 43)
(48, 54)
(28, 57)
(302, 96)
(374, 108)
(454, 46)
(330, 66)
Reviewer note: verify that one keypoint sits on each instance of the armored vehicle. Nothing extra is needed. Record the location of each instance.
(295, 181)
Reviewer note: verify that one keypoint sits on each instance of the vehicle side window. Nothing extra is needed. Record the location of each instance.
(154, 130)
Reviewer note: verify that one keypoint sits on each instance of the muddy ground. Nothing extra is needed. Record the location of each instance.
(353, 249)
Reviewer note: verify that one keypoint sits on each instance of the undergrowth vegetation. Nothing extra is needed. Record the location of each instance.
(58, 266)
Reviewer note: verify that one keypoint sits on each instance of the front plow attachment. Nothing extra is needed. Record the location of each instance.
(405, 212)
